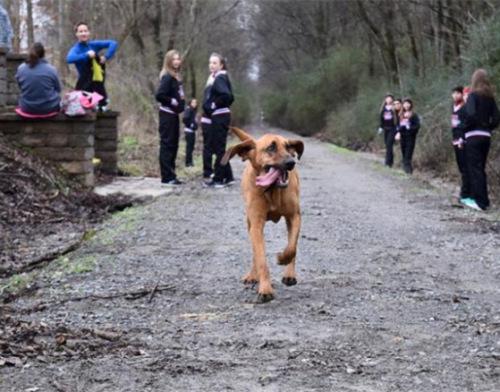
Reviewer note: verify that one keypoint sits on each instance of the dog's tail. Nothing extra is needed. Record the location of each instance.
(242, 135)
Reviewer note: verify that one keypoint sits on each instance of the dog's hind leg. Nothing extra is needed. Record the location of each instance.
(293, 227)
(287, 257)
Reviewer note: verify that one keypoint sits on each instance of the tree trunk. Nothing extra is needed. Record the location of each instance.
(29, 22)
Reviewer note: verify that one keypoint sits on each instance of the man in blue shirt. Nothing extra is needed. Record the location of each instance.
(90, 64)
(6, 33)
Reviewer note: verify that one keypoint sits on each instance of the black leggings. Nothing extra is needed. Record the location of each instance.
(169, 145)
(462, 167)
(408, 141)
(389, 134)
(190, 140)
(208, 168)
(219, 131)
(476, 154)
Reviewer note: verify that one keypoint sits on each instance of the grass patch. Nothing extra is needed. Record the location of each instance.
(17, 283)
(340, 150)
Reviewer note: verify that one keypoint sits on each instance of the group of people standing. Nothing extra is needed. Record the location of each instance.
(474, 115)
(217, 100)
(399, 122)
(39, 84)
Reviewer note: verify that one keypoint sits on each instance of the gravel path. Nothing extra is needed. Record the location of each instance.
(397, 291)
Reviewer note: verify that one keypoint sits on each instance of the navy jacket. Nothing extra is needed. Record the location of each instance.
(409, 126)
(189, 119)
(40, 88)
(388, 118)
(481, 113)
(219, 95)
(170, 88)
(457, 122)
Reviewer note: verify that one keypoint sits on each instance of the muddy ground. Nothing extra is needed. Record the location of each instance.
(397, 291)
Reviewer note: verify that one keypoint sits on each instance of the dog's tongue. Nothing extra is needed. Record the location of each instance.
(269, 178)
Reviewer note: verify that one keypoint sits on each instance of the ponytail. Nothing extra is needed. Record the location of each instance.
(37, 52)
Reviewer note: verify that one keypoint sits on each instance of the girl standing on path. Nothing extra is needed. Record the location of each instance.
(409, 124)
(388, 123)
(457, 119)
(218, 98)
(190, 127)
(170, 95)
(89, 63)
(481, 117)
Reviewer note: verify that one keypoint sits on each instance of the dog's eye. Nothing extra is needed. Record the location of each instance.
(271, 148)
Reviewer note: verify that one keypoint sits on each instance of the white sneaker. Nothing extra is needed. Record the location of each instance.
(471, 203)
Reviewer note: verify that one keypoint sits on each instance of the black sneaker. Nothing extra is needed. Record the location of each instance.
(174, 182)
(230, 182)
(214, 184)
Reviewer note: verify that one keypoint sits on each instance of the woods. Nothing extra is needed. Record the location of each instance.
(309, 66)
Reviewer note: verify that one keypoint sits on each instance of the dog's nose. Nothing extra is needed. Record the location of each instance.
(289, 163)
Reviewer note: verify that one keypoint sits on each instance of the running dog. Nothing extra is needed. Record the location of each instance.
(270, 186)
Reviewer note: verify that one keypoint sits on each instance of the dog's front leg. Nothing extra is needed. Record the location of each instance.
(259, 260)
(251, 277)
(287, 257)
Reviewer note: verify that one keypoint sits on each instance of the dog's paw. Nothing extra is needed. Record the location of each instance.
(249, 279)
(263, 298)
(285, 258)
(289, 281)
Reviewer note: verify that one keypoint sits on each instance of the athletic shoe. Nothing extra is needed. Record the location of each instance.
(471, 203)
(174, 182)
(230, 182)
(214, 184)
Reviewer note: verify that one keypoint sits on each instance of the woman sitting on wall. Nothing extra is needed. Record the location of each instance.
(39, 86)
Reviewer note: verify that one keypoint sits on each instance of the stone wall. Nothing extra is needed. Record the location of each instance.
(106, 141)
(14, 60)
(71, 142)
(66, 141)
(3, 77)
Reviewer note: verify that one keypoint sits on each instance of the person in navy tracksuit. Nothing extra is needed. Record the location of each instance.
(481, 118)
(409, 124)
(170, 95)
(458, 138)
(190, 127)
(217, 100)
(90, 64)
(388, 124)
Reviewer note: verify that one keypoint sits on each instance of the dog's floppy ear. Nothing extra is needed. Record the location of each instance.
(296, 145)
(243, 149)
(241, 134)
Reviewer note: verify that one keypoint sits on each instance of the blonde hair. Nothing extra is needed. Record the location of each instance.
(481, 84)
(168, 67)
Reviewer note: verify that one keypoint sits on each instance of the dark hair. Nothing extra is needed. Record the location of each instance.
(397, 100)
(409, 101)
(389, 95)
(458, 89)
(79, 24)
(37, 52)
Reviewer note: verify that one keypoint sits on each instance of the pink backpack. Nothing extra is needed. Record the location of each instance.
(75, 103)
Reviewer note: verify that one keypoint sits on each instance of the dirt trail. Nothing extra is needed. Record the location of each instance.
(397, 291)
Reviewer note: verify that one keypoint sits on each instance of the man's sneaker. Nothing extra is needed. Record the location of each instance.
(174, 182)
(471, 203)
(214, 184)
(230, 182)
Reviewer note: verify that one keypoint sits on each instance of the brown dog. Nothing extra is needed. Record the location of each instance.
(270, 186)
